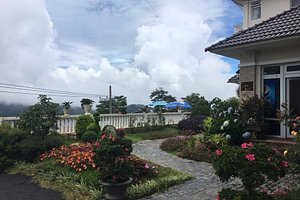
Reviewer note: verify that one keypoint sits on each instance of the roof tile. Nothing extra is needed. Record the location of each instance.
(283, 25)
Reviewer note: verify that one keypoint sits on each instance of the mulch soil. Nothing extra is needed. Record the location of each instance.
(20, 187)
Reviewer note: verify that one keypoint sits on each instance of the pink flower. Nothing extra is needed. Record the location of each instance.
(250, 144)
(147, 166)
(103, 136)
(274, 149)
(285, 163)
(250, 157)
(294, 124)
(246, 145)
(218, 197)
(219, 152)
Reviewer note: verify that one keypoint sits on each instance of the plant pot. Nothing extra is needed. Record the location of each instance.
(66, 111)
(87, 108)
(115, 191)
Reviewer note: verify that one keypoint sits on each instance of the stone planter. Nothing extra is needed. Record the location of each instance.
(87, 108)
(115, 191)
(66, 111)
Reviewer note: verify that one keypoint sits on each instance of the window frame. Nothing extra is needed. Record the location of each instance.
(255, 5)
(297, 2)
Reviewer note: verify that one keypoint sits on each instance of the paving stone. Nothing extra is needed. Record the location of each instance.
(205, 186)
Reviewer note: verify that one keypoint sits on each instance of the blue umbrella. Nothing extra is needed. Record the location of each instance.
(181, 105)
(158, 103)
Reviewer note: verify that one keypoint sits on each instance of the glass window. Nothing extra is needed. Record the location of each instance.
(271, 70)
(255, 10)
(293, 68)
(295, 3)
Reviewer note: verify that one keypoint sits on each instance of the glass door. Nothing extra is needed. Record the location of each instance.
(272, 94)
(293, 98)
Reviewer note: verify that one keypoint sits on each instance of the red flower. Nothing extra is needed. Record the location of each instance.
(285, 163)
(219, 152)
(103, 136)
(218, 197)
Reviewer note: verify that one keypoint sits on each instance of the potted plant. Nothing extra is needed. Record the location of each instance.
(86, 105)
(112, 158)
(253, 110)
(67, 107)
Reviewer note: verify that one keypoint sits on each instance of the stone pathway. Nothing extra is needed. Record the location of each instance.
(204, 186)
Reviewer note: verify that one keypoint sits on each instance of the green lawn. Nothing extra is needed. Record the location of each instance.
(152, 135)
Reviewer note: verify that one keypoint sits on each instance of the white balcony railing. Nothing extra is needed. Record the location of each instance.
(66, 123)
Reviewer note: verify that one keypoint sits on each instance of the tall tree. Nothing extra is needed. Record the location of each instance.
(119, 104)
(41, 118)
(200, 106)
(159, 94)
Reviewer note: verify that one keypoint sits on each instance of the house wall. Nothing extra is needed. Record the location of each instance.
(251, 64)
(269, 8)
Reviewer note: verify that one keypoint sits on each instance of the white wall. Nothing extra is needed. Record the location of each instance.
(269, 8)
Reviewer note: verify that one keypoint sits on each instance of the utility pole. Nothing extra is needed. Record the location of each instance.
(110, 101)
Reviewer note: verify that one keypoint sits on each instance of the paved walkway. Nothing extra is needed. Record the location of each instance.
(205, 186)
(19, 187)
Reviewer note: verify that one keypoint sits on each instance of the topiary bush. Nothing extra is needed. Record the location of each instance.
(82, 122)
(192, 124)
(94, 127)
(90, 136)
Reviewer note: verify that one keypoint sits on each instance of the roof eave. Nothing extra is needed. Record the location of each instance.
(234, 51)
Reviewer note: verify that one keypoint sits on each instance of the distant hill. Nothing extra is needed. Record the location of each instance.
(134, 108)
(10, 110)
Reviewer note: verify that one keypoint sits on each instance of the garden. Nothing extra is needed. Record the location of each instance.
(101, 157)
(98, 157)
(222, 139)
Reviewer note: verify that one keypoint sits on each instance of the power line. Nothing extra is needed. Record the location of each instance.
(43, 89)
(58, 95)
(47, 91)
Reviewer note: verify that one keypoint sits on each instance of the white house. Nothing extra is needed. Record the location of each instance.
(268, 48)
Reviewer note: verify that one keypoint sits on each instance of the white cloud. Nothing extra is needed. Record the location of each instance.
(135, 46)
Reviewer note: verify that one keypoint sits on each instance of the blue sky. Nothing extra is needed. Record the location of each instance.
(133, 45)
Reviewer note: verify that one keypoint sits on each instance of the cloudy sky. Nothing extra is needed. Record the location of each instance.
(134, 45)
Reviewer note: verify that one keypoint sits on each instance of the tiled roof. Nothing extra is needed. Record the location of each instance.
(284, 25)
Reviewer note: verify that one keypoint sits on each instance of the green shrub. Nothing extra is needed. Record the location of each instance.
(229, 194)
(109, 129)
(229, 123)
(196, 151)
(111, 157)
(93, 127)
(90, 136)
(82, 122)
(173, 144)
(9, 138)
(142, 169)
(31, 148)
(253, 164)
